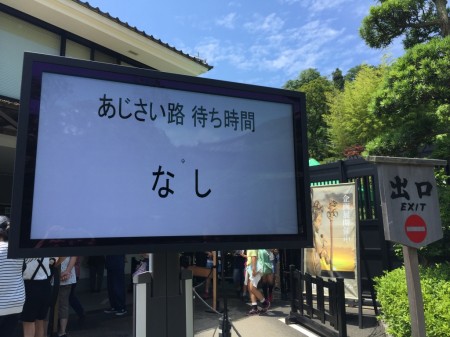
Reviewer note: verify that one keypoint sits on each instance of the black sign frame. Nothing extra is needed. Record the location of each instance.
(21, 244)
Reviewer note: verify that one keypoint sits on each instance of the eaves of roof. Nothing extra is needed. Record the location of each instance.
(80, 18)
(143, 33)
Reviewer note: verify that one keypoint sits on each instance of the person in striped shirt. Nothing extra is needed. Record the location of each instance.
(12, 291)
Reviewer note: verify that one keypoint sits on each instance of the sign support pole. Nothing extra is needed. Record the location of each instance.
(414, 292)
(214, 279)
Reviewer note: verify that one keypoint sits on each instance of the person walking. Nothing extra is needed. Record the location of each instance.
(12, 290)
(96, 270)
(268, 278)
(239, 258)
(115, 278)
(255, 270)
(67, 279)
(74, 302)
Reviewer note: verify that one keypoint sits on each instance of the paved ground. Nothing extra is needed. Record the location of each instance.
(206, 322)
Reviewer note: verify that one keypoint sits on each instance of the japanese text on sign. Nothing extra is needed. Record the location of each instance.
(346, 217)
(399, 186)
(164, 191)
(174, 112)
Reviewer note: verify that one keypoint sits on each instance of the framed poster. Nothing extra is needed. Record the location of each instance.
(335, 222)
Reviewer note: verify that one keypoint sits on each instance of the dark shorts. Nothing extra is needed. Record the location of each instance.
(37, 300)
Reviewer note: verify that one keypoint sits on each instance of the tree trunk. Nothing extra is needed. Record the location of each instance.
(441, 7)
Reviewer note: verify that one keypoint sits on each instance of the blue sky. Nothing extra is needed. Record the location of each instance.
(265, 42)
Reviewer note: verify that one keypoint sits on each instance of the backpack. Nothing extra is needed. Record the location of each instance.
(264, 262)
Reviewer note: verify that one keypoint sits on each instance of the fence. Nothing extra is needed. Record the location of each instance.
(304, 309)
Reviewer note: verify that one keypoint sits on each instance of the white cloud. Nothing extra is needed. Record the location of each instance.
(228, 21)
(302, 47)
(271, 44)
(322, 5)
(215, 51)
(319, 31)
(316, 5)
(234, 4)
(362, 10)
(276, 50)
(269, 23)
(209, 50)
(289, 2)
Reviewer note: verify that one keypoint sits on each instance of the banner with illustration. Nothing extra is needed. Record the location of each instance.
(334, 218)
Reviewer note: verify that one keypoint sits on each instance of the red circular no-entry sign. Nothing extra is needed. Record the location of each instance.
(415, 228)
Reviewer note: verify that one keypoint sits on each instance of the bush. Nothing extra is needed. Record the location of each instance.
(392, 295)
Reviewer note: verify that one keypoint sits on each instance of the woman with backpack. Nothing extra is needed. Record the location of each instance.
(38, 291)
(268, 278)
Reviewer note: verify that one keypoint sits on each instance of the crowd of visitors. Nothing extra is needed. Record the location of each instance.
(31, 288)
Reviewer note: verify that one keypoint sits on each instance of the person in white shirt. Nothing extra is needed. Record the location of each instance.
(67, 278)
(12, 291)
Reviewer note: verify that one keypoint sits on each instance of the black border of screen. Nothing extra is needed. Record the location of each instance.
(20, 243)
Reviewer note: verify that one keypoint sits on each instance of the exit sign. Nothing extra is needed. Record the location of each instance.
(409, 200)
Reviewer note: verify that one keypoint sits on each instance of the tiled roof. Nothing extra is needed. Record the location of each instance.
(9, 103)
(141, 32)
(8, 116)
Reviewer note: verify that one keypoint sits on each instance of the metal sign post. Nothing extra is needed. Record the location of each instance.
(163, 304)
(411, 217)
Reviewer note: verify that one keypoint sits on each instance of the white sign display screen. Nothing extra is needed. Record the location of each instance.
(121, 154)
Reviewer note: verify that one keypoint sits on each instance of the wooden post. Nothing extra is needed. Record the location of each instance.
(414, 292)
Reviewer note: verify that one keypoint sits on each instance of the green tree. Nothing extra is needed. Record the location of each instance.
(439, 251)
(303, 78)
(317, 111)
(352, 72)
(414, 102)
(338, 79)
(315, 86)
(350, 121)
(417, 20)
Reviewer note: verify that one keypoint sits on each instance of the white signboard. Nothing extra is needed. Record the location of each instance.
(409, 200)
(117, 159)
(160, 162)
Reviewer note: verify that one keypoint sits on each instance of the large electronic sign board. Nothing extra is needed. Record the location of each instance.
(120, 159)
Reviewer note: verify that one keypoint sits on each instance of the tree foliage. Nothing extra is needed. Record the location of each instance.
(439, 251)
(303, 78)
(316, 111)
(417, 20)
(350, 121)
(338, 79)
(315, 86)
(414, 102)
(352, 72)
